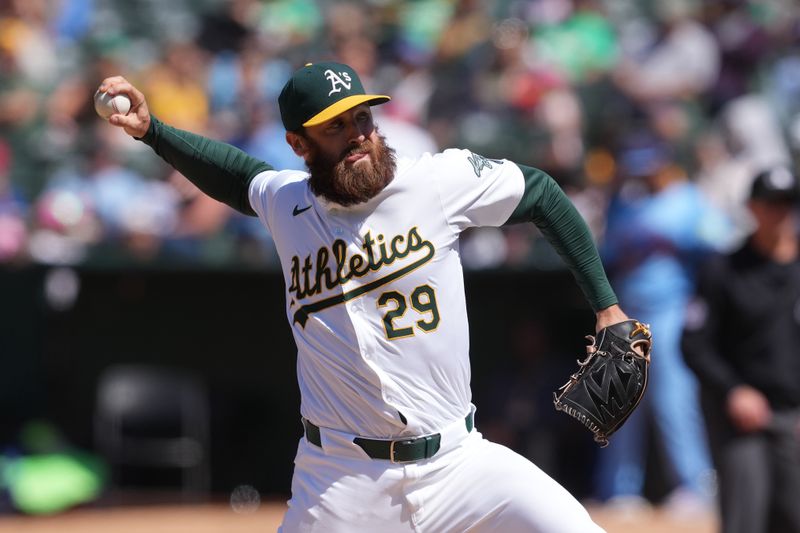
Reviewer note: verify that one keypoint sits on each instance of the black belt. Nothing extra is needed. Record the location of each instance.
(396, 451)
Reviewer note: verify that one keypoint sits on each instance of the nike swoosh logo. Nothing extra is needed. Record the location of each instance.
(296, 211)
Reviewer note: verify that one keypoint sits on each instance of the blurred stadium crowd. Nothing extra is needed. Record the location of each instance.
(563, 85)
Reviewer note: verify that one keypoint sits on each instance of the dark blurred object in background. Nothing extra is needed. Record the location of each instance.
(149, 419)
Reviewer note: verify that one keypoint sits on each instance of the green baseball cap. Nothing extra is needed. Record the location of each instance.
(320, 91)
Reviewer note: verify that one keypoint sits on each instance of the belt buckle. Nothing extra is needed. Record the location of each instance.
(391, 451)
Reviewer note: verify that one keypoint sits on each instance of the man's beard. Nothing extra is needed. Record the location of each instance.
(354, 184)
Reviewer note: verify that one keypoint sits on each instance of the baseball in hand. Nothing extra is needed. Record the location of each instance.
(107, 105)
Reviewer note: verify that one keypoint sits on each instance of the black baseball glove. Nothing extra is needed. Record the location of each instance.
(611, 381)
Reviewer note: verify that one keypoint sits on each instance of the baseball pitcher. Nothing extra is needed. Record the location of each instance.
(369, 249)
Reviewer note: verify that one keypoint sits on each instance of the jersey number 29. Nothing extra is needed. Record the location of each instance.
(423, 301)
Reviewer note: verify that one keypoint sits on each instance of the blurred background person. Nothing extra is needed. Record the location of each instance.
(13, 228)
(741, 337)
(659, 227)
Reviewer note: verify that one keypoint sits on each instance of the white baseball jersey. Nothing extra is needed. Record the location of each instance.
(375, 292)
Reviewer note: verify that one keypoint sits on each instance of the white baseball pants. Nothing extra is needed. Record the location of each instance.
(470, 485)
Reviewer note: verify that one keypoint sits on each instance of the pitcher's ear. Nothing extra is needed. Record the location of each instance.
(297, 142)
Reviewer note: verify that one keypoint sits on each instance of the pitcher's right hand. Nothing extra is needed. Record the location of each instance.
(137, 121)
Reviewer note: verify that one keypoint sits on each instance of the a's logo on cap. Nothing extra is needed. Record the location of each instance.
(337, 82)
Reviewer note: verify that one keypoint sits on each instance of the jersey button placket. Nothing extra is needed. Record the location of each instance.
(354, 247)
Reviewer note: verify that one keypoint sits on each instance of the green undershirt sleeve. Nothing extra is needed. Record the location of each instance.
(546, 205)
(218, 169)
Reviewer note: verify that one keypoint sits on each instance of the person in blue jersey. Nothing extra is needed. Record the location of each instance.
(659, 227)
